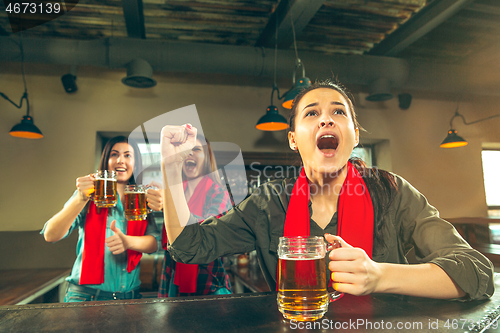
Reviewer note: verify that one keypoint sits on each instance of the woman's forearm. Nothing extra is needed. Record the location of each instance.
(175, 209)
(423, 280)
(60, 223)
(145, 244)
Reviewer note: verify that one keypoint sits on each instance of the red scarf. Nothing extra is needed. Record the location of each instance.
(92, 269)
(354, 213)
(186, 275)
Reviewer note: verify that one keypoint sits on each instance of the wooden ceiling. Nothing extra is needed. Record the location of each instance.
(332, 26)
(452, 32)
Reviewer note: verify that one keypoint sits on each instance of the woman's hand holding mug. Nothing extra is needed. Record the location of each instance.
(154, 196)
(353, 272)
(85, 186)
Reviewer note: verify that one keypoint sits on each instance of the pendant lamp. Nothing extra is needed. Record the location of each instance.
(302, 83)
(26, 129)
(453, 140)
(272, 120)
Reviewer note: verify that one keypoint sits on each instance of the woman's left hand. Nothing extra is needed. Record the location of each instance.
(118, 242)
(353, 272)
(154, 196)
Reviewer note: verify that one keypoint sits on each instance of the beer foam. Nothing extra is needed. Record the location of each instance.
(299, 256)
(108, 179)
(134, 192)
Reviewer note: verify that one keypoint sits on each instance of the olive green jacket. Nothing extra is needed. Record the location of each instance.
(411, 222)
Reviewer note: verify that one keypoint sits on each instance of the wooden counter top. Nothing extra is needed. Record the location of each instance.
(21, 286)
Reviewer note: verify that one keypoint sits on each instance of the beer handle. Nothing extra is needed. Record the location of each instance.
(91, 196)
(335, 295)
(329, 247)
(147, 187)
(332, 246)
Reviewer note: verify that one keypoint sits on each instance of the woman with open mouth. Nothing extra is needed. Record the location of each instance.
(108, 252)
(205, 196)
(377, 216)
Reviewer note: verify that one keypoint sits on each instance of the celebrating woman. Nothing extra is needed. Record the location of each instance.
(205, 195)
(377, 216)
(108, 254)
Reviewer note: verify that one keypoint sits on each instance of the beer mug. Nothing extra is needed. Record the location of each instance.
(136, 208)
(302, 280)
(105, 194)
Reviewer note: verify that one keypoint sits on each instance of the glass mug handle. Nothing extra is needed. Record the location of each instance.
(335, 295)
(91, 195)
(146, 188)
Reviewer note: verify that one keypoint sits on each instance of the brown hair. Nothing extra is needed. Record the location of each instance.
(106, 152)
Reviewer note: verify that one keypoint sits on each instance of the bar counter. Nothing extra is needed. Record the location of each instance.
(252, 313)
(22, 286)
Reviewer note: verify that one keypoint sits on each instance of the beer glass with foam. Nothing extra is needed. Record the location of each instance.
(302, 280)
(105, 194)
(136, 208)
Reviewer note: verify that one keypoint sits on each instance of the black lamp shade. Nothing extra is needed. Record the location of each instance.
(272, 120)
(452, 140)
(303, 83)
(26, 129)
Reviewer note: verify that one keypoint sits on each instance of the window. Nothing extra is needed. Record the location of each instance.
(150, 157)
(364, 153)
(491, 175)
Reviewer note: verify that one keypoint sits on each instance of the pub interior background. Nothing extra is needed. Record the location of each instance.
(38, 176)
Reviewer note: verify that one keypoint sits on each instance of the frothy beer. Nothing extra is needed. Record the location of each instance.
(302, 292)
(105, 192)
(136, 208)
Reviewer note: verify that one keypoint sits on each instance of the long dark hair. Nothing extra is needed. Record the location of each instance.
(382, 187)
(106, 152)
(380, 184)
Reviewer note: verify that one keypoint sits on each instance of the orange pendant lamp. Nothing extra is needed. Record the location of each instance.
(453, 140)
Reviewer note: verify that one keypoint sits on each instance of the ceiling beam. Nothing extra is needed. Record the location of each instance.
(134, 18)
(418, 26)
(300, 11)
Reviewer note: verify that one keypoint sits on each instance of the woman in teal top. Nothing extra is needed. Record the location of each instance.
(123, 157)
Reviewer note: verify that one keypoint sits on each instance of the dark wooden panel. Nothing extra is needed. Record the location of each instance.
(28, 249)
(19, 284)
